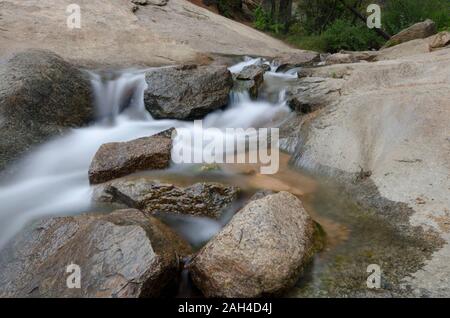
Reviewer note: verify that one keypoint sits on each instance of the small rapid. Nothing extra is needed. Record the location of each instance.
(53, 180)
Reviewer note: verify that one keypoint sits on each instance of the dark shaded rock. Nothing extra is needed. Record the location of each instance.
(122, 254)
(41, 95)
(118, 159)
(187, 92)
(200, 199)
(419, 30)
(261, 252)
(300, 58)
(251, 78)
(151, 2)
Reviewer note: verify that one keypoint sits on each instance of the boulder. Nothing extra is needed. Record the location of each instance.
(440, 40)
(41, 95)
(261, 252)
(118, 159)
(297, 59)
(123, 254)
(251, 78)
(200, 199)
(410, 48)
(187, 92)
(419, 30)
(311, 93)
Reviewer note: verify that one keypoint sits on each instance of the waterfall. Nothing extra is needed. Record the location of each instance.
(53, 179)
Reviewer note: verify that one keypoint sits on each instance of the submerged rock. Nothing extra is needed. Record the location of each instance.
(261, 252)
(251, 78)
(419, 30)
(118, 159)
(187, 92)
(41, 95)
(200, 199)
(122, 254)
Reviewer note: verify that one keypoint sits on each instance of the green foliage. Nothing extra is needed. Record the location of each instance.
(262, 19)
(343, 35)
(227, 7)
(400, 14)
(264, 22)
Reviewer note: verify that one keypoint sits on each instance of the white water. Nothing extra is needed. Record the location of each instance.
(53, 179)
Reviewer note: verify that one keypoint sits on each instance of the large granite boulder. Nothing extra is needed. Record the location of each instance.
(419, 30)
(187, 92)
(121, 254)
(41, 95)
(118, 159)
(200, 199)
(261, 252)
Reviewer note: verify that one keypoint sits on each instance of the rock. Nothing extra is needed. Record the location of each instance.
(419, 30)
(345, 57)
(297, 59)
(440, 40)
(340, 58)
(392, 119)
(41, 95)
(414, 47)
(261, 252)
(118, 159)
(200, 199)
(368, 56)
(312, 93)
(187, 92)
(251, 78)
(151, 2)
(123, 254)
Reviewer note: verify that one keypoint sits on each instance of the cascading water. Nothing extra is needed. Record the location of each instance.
(53, 179)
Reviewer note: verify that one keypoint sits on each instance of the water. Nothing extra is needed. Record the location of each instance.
(53, 179)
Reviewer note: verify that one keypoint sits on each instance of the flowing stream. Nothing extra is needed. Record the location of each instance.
(53, 179)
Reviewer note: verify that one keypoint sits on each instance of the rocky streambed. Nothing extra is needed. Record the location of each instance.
(109, 198)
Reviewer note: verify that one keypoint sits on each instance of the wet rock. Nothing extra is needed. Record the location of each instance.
(41, 95)
(440, 40)
(200, 199)
(297, 59)
(261, 252)
(251, 78)
(118, 159)
(419, 30)
(312, 93)
(187, 92)
(121, 254)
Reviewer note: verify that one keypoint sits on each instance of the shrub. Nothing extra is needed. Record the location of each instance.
(343, 35)
(400, 14)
